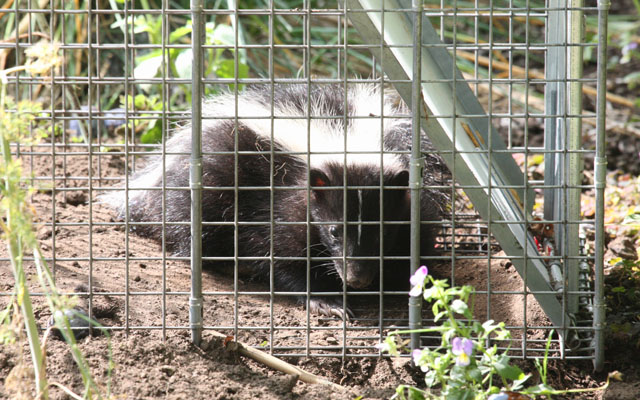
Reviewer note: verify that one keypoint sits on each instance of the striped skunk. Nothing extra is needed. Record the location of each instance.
(292, 136)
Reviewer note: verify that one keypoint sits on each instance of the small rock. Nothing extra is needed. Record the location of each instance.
(76, 198)
(331, 340)
(45, 233)
(78, 321)
(167, 370)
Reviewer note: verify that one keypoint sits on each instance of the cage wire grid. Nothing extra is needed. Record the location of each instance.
(137, 78)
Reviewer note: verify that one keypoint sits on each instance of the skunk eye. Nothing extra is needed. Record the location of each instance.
(334, 231)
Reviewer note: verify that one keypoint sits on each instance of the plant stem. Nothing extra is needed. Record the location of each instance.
(14, 247)
(63, 324)
(27, 313)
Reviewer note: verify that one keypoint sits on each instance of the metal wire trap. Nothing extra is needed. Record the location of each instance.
(463, 69)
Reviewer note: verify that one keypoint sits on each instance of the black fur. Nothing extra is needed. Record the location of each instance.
(325, 202)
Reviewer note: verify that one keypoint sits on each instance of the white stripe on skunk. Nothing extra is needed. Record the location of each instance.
(291, 124)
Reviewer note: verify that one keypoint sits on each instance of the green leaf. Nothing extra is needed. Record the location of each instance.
(140, 24)
(428, 293)
(493, 390)
(400, 393)
(180, 32)
(226, 69)
(539, 389)
(519, 383)
(224, 34)
(458, 373)
(510, 372)
(439, 315)
(392, 345)
(147, 69)
(475, 374)
(152, 135)
(430, 378)
(502, 333)
(184, 64)
(415, 393)
(506, 371)
(146, 56)
(489, 325)
(459, 306)
(460, 394)
(632, 218)
(632, 80)
(140, 102)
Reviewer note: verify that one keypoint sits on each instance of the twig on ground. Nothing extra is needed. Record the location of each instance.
(274, 362)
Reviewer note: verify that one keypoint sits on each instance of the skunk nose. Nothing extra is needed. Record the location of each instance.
(359, 274)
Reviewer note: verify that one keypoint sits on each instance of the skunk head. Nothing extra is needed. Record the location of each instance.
(351, 230)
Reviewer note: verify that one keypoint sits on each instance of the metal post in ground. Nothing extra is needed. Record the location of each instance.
(195, 173)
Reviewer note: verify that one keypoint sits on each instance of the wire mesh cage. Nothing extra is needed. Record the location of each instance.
(293, 141)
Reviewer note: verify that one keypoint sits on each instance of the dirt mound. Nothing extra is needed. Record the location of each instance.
(142, 298)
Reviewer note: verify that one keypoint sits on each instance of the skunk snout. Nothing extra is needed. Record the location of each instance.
(359, 274)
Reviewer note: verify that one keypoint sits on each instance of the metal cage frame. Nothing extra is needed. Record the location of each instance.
(419, 62)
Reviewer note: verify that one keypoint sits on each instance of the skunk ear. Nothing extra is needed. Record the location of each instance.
(317, 179)
(400, 179)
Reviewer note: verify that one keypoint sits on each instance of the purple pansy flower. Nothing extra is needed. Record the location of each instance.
(629, 47)
(417, 281)
(462, 348)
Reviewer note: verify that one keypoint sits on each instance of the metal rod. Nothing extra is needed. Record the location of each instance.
(127, 165)
(600, 181)
(195, 173)
(163, 205)
(555, 136)
(415, 169)
(573, 161)
(555, 104)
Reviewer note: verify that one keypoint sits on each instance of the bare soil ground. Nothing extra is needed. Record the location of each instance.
(146, 366)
